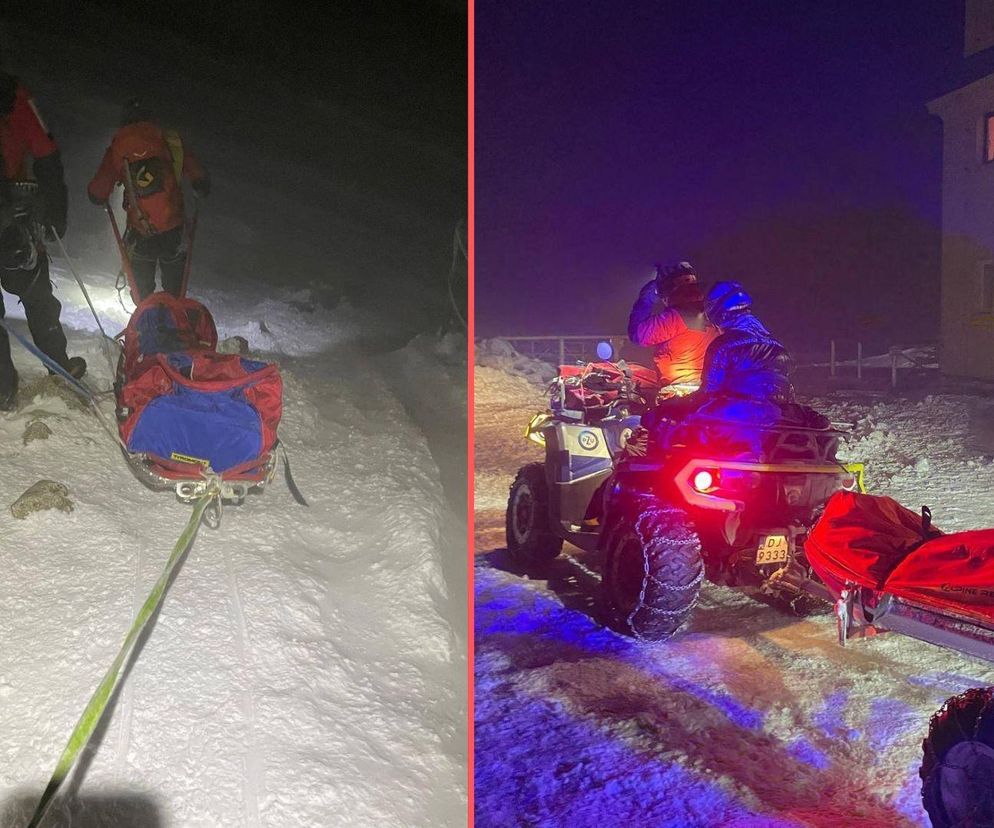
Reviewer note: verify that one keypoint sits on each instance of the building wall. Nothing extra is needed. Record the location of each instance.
(979, 26)
(967, 346)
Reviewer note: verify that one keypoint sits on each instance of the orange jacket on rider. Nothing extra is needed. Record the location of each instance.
(679, 346)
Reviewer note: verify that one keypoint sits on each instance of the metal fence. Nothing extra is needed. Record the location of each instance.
(845, 359)
(561, 350)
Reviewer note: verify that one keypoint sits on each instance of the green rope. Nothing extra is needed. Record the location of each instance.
(98, 702)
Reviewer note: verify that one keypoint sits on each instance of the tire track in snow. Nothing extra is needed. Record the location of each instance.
(255, 775)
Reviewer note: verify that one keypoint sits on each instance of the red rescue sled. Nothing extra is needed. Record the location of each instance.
(186, 413)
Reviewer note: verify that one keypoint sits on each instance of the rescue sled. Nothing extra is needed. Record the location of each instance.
(188, 415)
(889, 568)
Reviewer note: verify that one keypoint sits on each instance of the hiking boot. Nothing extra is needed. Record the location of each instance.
(76, 366)
(8, 393)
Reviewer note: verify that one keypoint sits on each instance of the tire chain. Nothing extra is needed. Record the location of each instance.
(646, 576)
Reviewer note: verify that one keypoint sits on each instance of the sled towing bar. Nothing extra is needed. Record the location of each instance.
(945, 628)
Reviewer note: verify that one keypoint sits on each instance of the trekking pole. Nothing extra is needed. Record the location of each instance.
(125, 258)
(190, 236)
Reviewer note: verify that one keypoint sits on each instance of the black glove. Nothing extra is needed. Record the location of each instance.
(202, 186)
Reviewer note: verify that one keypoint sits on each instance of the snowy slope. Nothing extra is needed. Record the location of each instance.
(308, 667)
(748, 717)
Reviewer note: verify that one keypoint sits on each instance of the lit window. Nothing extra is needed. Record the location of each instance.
(989, 137)
(987, 288)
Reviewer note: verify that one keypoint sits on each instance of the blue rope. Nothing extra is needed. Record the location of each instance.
(50, 363)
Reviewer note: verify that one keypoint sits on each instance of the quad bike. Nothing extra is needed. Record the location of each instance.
(766, 503)
(714, 498)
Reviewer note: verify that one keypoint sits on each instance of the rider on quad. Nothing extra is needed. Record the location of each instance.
(746, 360)
(680, 334)
(744, 363)
(745, 377)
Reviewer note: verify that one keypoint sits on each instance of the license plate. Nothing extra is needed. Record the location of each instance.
(772, 549)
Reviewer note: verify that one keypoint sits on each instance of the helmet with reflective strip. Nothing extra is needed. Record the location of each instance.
(726, 299)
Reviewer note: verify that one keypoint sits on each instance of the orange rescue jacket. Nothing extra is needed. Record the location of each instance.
(679, 349)
(158, 202)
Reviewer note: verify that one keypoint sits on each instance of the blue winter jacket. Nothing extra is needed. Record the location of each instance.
(747, 361)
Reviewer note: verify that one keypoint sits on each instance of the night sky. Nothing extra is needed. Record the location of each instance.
(785, 144)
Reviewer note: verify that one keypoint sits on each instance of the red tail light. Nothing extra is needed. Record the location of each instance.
(705, 481)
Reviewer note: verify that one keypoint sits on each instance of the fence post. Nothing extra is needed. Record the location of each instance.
(832, 360)
(562, 351)
(859, 360)
(893, 367)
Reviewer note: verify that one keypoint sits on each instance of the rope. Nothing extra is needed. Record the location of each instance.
(97, 705)
(76, 385)
(79, 281)
(191, 234)
(125, 257)
(86, 295)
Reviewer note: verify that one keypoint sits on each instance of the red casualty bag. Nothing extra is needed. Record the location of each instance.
(860, 539)
(595, 386)
(953, 571)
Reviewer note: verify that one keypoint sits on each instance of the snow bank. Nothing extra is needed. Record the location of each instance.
(501, 354)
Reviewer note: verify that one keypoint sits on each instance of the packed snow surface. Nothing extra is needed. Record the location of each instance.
(308, 665)
(747, 718)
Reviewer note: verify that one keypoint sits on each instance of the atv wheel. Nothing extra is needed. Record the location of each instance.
(957, 769)
(653, 573)
(530, 538)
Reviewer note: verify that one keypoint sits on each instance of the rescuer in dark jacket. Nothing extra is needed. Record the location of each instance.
(745, 360)
(32, 203)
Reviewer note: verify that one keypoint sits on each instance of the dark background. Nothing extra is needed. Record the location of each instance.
(783, 144)
(335, 134)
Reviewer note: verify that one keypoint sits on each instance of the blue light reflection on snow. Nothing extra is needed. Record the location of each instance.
(578, 630)
(635, 721)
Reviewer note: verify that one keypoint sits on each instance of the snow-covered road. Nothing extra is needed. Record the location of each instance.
(748, 717)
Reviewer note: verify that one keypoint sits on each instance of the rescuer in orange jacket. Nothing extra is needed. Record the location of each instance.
(150, 162)
(680, 333)
(32, 204)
